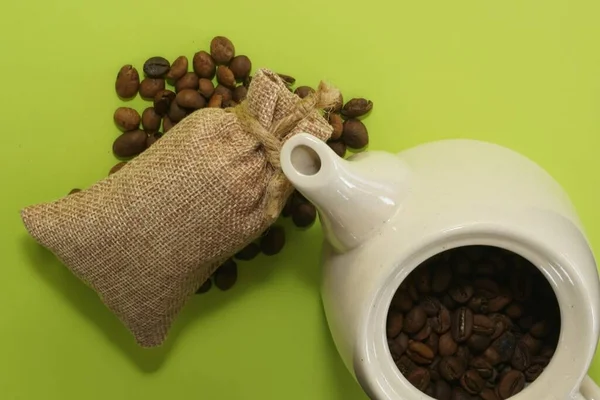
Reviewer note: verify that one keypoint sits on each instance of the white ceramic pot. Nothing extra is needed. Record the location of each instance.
(385, 214)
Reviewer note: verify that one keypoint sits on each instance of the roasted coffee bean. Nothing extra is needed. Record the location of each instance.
(503, 299)
(338, 147)
(459, 393)
(127, 119)
(355, 134)
(448, 302)
(429, 390)
(412, 290)
(304, 91)
(447, 345)
(402, 301)
(441, 278)
(222, 50)
(431, 305)
(419, 352)
(478, 343)
(156, 67)
(225, 93)
(248, 253)
(225, 76)
(534, 345)
(206, 88)
(521, 358)
(514, 310)
(510, 384)
(187, 81)
(505, 346)
(414, 320)
(462, 324)
(304, 215)
(423, 280)
(423, 333)
(401, 343)
(419, 377)
(486, 288)
(472, 382)
(483, 367)
(478, 304)
(525, 322)
(151, 120)
(239, 94)
(205, 287)
(483, 325)
(117, 167)
(167, 124)
(289, 80)
(492, 356)
(547, 351)
(192, 99)
(460, 263)
(394, 324)
(442, 322)
(540, 360)
(273, 241)
(226, 275)
(153, 138)
(229, 103)
(433, 341)
(434, 369)
(442, 390)
(502, 324)
(204, 65)
(488, 394)
(216, 101)
(163, 101)
(533, 372)
(150, 86)
(335, 120)
(464, 353)
(405, 365)
(338, 104)
(130, 144)
(357, 108)
(178, 69)
(128, 82)
(451, 368)
(176, 112)
(241, 67)
(540, 330)
(461, 292)
(73, 191)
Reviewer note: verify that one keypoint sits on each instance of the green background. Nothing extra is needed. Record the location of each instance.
(521, 73)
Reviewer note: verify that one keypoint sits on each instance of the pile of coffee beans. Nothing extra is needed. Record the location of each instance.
(218, 78)
(474, 322)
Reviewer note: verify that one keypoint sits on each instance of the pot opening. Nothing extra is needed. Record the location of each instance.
(473, 322)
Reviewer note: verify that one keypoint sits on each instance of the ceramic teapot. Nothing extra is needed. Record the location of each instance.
(384, 214)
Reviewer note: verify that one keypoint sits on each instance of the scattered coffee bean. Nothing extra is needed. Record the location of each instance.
(273, 241)
(130, 144)
(222, 50)
(304, 215)
(215, 101)
(150, 87)
(304, 91)
(248, 253)
(167, 124)
(127, 119)
(225, 93)
(117, 167)
(163, 101)
(151, 120)
(226, 275)
(335, 120)
(239, 94)
(153, 138)
(241, 67)
(176, 112)
(73, 191)
(357, 108)
(206, 88)
(205, 287)
(225, 77)
(289, 80)
(510, 384)
(338, 147)
(337, 107)
(178, 69)
(156, 67)
(192, 99)
(128, 82)
(188, 81)
(204, 65)
(355, 134)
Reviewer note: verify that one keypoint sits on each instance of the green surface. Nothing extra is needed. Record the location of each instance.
(521, 73)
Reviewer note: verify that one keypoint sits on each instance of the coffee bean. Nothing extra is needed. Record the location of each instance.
(239, 94)
(505, 346)
(204, 65)
(433, 341)
(127, 119)
(486, 288)
(167, 124)
(222, 50)
(429, 390)
(304, 91)
(205, 287)
(241, 67)
(335, 120)
(153, 138)
(287, 79)
(176, 112)
(225, 93)
(434, 369)
(492, 356)
(187, 81)
(461, 292)
(405, 365)
(534, 345)
(216, 101)
(357, 108)
(206, 88)
(540, 330)
(420, 352)
(510, 384)
(150, 87)
(478, 343)
(419, 378)
(483, 325)
(483, 367)
(248, 253)
(273, 241)
(525, 322)
(163, 101)
(464, 353)
(128, 82)
(178, 69)
(533, 372)
(488, 394)
(478, 304)
(442, 276)
(414, 320)
(423, 279)
(116, 168)
(355, 134)
(394, 324)
(462, 324)
(499, 302)
(442, 390)
(442, 322)
(226, 275)
(192, 99)
(229, 103)
(151, 120)
(514, 310)
(472, 382)
(459, 393)
(73, 191)
(521, 358)
(502, 324)
(451, 368)
(130, 144)
(447, 345)
(431, 305)
(304, 215)
(448, 302)
(547, 351)
(338, 104)
(156, 67)
(423, 333)
(225, 76)
(402, 301)
(400, 344)
(338, 147)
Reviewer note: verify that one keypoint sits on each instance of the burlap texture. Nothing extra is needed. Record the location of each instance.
(148, 236)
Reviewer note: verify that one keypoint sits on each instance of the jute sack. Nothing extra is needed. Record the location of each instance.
(148, 236)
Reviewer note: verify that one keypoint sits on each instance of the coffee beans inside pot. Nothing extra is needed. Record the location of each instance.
(474, 322)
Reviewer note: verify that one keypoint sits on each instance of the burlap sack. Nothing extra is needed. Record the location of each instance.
(148, 236)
